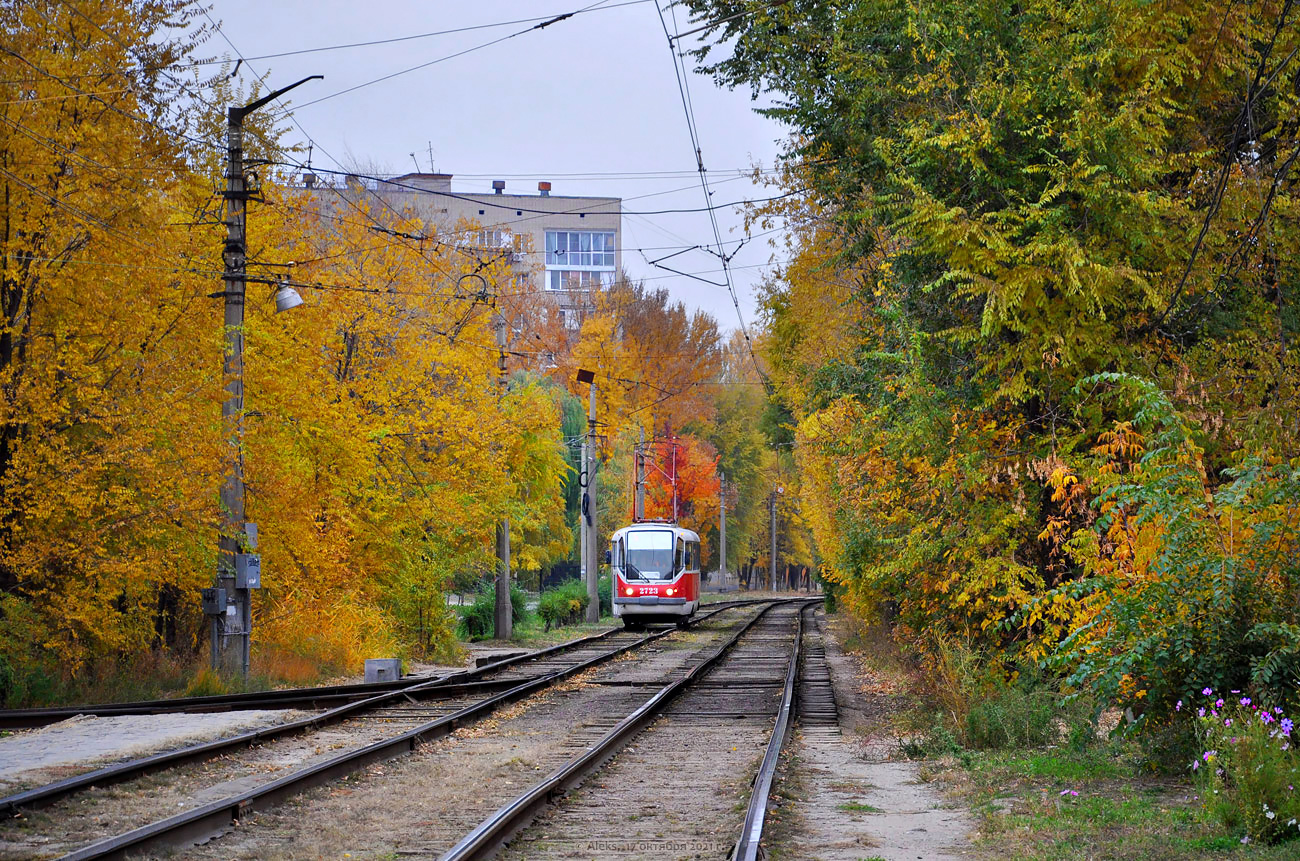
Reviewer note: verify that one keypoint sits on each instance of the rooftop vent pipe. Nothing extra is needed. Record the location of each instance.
(544, 188)
(498, 185)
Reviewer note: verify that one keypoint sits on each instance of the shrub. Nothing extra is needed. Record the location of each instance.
(206, 682)
(1190, 571)
(605, 589)
(991, 711)
(1247, 768)
(1013, 717)
(518, 603)
(478, 620)
(562, 604)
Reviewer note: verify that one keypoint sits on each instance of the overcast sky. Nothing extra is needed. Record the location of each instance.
(589, 95)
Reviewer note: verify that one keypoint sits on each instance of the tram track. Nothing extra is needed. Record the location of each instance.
(399, 730)
(677, 787)
(326, 696)
(369, 702)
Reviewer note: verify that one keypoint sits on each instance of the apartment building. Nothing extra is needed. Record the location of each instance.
(567, 246)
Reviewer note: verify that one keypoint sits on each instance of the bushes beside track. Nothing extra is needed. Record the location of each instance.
(478, 620)
(563, 604)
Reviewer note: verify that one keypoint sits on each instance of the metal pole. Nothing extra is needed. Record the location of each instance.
(584, 504)
(638, 505)
(722, 530)
(593, 536)
(503, 617)
(771, 564)
(674, 479)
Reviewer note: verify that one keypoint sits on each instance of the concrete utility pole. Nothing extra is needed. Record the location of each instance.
(638, 505)
(593, 535)
(771, 564)
(722, 529)
(584, 507)
(504, 615)
(229, 603)
(674, 479)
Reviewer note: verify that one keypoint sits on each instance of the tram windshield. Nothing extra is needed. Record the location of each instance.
(650, 555)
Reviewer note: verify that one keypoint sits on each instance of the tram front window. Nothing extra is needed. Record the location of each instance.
(650, 555)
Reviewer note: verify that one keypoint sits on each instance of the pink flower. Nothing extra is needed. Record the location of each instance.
(1207, 691)
(1218, 704)
(1178, 706)
(1245, 701)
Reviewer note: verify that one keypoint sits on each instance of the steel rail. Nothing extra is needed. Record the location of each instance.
(751, 835)
(211, 819)
(448, 685)
(289, 698)
(119, 772)
(497, 829)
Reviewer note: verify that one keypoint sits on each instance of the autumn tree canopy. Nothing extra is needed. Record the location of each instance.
(379, 450)
(1035, 332)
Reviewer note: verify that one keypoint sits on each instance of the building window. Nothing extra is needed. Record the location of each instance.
(579, 259)
(578, 279)
(491, 238)
(572, 249)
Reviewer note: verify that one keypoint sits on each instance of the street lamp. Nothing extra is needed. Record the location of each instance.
(286, 298)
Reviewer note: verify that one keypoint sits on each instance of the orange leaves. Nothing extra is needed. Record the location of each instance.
(1121, 447)
(694, 463)
(655, 362)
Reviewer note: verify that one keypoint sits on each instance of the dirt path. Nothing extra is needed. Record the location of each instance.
(848, 795)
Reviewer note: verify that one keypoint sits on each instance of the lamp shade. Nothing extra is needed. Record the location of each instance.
(286, 298)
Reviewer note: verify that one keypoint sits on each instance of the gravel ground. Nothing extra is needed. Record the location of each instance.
(83, 743)
(680, 789)
(420, 805)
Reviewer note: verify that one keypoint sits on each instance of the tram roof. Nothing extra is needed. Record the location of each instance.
(658, 526)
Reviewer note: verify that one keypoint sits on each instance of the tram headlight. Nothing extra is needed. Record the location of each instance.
(630, 590)
(671, 591)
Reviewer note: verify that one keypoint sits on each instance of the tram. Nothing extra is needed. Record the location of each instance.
(656, 568)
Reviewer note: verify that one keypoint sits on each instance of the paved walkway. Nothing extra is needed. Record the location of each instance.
(79, 743)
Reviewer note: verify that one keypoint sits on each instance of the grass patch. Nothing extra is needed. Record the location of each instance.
(530, 633)
(1043, 783)
(859, 807)
(1100, 803)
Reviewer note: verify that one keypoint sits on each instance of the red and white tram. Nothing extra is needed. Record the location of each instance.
(656, 573)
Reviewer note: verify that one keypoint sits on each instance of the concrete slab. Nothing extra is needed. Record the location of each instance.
(85, 742)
